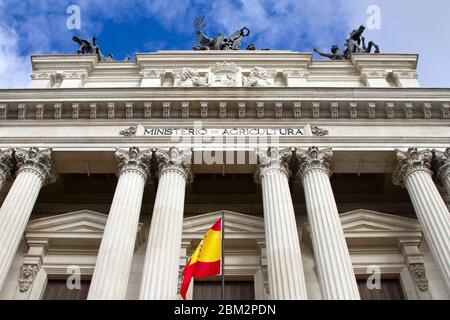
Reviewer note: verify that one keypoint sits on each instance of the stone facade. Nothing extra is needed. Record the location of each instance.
(334, 168)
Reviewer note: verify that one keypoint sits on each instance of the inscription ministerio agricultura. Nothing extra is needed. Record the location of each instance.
(152, 131)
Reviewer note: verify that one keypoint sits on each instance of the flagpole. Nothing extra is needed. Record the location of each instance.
(223, 255)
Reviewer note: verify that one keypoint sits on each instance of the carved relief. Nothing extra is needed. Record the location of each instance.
(6, 164)
(296, 74)
(28, 273)
(258, 77)
(151, 74)
(43, 75)
(265, 274)
(225, 74)
(441, 165)
(74, 75)
(417, 271)
(3, 111)
(318, 132)
(405, 74)
(128, 132)
(191, 78)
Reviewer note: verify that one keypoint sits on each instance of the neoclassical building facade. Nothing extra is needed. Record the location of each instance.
(333, 177)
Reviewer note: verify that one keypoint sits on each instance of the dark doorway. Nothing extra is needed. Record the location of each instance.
(391, 289)
(234, 290)
(57, 290)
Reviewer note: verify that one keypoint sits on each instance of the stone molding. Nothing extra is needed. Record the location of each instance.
(409, 162)
(273, 159)
(314, 159)
(175, 160)
(134, 160)
(36, 161)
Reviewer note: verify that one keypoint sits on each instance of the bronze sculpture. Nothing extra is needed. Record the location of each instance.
(219, 42)
(354, 44)
(336, 53)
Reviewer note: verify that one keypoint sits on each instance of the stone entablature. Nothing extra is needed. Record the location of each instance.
(224, 69)
(221, 102)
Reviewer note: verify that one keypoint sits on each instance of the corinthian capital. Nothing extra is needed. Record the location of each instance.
(314, 159)
(6, 165)
(409, 162)
(36, 161)
(441, 164)
(175, 160)
(134, 160)
(273, 159)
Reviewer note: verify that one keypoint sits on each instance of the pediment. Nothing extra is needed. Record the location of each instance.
(366, 220)
(235, 223)
(77, 221)
(70, 229)
(371, 229)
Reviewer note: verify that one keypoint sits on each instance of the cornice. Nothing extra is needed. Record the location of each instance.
(167, 93)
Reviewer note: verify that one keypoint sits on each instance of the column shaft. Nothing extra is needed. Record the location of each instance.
(334, 265)
(285, 268)
(162, 258)
(433, 217)
(113, 266)
(160, 274)
(14, 215)
(112, 269)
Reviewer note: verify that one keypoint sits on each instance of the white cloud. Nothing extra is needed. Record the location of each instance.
(14, 68)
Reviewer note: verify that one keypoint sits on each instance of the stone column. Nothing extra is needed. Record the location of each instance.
(6, 166)
(441, 167)
(34, 167)
(334, 266)
(412, 171)
(160, 273)
(284, 260)
(112, 269)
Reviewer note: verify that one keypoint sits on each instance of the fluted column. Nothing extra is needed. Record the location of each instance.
(34, 167)
(412, 171)
(160, 274)
(334, 266)
(441, 167)
(112, 269)
(6, 165)
(284, 260)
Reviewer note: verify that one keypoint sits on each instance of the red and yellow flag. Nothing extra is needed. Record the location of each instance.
(206, 259)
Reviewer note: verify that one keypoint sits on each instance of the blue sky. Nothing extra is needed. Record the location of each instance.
(126, 27)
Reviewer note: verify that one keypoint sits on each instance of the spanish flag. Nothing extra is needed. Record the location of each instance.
(206, 259)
